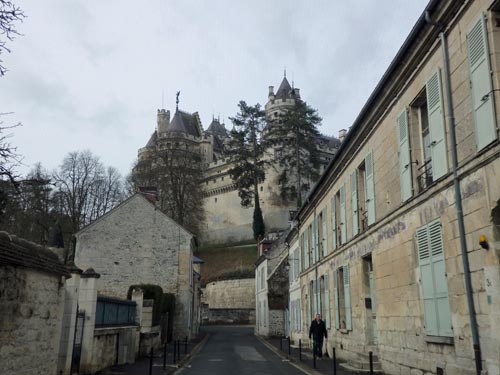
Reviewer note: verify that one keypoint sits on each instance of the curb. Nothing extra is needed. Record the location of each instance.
(304, 368)
(188, 357)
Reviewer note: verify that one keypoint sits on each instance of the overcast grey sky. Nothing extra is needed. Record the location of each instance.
(90, 74)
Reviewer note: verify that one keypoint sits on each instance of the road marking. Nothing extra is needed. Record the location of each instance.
(249, 353)
(215, 360)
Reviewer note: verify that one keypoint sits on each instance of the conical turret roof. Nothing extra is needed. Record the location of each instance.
(184, 123)
(285, 90)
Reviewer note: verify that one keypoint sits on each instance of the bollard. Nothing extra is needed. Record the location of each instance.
(371, 362)
(186, 346)
(334, 361)
(179, 350)
(314, 355)
(165, 356)
(151, 361)
(281, 343)
(300, 350)
(289, 346)
(175, 352)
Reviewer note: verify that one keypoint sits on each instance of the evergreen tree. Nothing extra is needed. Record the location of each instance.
(294, 135)
(247, 149)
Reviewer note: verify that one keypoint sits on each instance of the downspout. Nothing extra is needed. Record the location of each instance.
(458, 197)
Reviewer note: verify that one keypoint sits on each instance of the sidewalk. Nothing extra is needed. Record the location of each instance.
(323, 366)
(142, 365)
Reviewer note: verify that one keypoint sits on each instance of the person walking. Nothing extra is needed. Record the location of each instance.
(317, 331)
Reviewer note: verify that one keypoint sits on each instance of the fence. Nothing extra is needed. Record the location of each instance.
(112, 312)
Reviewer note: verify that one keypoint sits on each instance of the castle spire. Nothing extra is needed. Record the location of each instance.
(177, 101)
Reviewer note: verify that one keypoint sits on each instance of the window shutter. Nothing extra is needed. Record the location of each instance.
(481, 86)
(334, 226)
(404, 156)
(343, 226)
(327, 300)
(306, 248)
(426, 281)
(315, 240)
(369, 189)
(440, 282)
(324, 233)
(336, 299)
(347, 298)
(436, 126)
(433, 281)
(354, 202)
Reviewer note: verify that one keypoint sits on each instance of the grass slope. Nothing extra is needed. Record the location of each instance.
(226, 263)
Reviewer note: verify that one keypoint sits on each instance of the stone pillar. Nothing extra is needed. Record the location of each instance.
(87, 302)
(71, 291)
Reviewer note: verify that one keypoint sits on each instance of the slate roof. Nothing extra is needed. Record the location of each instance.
(152, 140)
(285, 90)
(217, 128)
(18, 252)
(330, 141)
(184, 123)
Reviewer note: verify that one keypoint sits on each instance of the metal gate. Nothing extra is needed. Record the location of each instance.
(77, 342)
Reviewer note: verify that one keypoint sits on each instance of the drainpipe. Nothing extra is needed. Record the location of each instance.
(458, 197)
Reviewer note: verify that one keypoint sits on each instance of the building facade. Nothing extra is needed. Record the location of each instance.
(136, 243)
(413, 188)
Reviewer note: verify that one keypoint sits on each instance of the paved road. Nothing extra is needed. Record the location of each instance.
(235, 350)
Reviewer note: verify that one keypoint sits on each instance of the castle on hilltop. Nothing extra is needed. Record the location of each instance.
(226, 221)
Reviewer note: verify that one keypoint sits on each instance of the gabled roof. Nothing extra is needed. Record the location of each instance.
(184, 123)
(197, 260)
(18, 252)
(285, 90)
(124, 203)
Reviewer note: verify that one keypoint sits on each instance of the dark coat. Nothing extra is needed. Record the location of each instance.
(318, 330)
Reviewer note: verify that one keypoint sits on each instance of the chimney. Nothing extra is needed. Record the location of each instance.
(150, 193)
(342, 133)
(271, 91)
(297, 93)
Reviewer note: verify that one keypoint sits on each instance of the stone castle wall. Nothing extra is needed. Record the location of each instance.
(230, 294)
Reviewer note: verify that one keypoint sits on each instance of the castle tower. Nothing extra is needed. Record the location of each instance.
(162, 120)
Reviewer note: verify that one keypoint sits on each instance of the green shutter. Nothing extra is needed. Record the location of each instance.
(327, 301)
(404, 156)
(324, 232)
(369, 189)
(354, 202)
(336, 299)
(433, 281)
(440, 282)
(347, 299)
(436, 126)
(343, 226)
(306, 248)
(481, 86)
(334, 226)
(315, 239)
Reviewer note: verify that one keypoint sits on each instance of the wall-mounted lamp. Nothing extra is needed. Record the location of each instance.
(287, 265)
(483, 241)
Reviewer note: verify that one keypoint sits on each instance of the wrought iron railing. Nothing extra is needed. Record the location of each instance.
(424, 177)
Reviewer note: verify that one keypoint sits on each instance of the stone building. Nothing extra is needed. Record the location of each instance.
(136, 243)
(31, 297)
(226, 222)
(271, 288)
(399, 240)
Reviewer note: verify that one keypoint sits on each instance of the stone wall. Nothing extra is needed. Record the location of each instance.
(30, 321)
(229, 316)
(230, 294)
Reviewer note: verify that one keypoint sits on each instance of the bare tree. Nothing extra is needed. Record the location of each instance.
(9, 158)
(85, 189)
(10, 14)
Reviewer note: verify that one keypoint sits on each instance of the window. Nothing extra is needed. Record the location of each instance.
(429, 110)
(369, 189)
(342, 298)
(433, 283)
(323, 248)
(481, 86)
(341, 216)
(354, 203)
